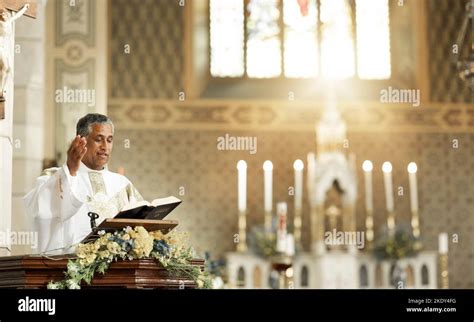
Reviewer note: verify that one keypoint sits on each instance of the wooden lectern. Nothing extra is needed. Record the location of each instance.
(37, 271)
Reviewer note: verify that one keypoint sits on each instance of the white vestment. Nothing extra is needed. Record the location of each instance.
(59, 204)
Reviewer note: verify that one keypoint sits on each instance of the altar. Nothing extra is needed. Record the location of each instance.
(339, 256)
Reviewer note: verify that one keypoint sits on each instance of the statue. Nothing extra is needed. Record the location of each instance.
(6, 28)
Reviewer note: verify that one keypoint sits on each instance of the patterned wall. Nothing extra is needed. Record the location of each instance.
(160, 162)
(154, 33)
(165, 144)
(445, 19)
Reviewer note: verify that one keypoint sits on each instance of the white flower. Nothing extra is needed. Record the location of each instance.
(200, 283)
(73, 284)
(217, 283)
(53, 286)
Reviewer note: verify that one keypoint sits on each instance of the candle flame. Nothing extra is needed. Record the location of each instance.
(268, 165)
(412, 168)
(241, 165)
(298, 165)
(367, 166)
(387, 167)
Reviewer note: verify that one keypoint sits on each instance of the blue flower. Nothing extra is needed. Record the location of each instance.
(161, 247)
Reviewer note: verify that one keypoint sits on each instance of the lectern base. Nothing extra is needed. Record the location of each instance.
(37, 272)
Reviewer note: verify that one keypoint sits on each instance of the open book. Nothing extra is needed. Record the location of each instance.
(157, 209)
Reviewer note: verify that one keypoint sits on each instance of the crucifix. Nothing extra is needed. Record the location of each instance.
(10, 10)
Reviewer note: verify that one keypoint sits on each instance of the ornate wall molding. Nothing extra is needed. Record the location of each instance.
(76, 61)
(289, 116)
(75, 22)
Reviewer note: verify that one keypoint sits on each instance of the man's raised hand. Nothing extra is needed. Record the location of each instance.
(75, 153)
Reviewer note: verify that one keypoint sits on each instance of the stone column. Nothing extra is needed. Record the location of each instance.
(28, 121)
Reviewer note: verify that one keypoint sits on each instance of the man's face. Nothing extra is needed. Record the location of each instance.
(99, 146)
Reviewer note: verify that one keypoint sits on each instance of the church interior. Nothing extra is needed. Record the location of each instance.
(300, 135)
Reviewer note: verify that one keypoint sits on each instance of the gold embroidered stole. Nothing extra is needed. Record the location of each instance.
(107, 207)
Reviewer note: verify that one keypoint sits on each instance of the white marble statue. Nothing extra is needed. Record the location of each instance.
(6, 29)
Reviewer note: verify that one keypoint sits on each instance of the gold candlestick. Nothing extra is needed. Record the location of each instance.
(415, 227)
(268, 220)
(415, 224)
(369, 227)
(242, 244)
(391, 223)
(444, 269)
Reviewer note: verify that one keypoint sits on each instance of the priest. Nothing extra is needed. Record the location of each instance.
(60, 202)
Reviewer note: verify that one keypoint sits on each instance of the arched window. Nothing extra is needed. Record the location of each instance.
(300, 39)
(363, 276)
(241, 277)
(304, 276)
(425, 280)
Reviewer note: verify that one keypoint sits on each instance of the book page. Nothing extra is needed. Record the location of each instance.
(165, 201)
(134, 205)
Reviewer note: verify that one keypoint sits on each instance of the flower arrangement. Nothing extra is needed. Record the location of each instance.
(169, 250)
(263, 242)
(399, 245)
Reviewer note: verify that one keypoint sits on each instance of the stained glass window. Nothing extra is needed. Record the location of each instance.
(263, 42)
(373, 39)
(273, 38)
(301, 39)
(337, 46)
(227, 38)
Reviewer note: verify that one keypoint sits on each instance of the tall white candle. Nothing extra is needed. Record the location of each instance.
(443, 243)
(412, 168)
(387, 175)
(367, 167)
(298, 166)
(242, 185)
(267, 185)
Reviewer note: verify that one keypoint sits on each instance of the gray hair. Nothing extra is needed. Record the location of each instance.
(84, 125)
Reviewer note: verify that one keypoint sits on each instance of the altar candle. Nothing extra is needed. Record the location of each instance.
(443, 243)
(281, 232)
(412, 168)
(367, 167)
(298, 166)
(387, 175)
(242, 185)
(267, 185)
